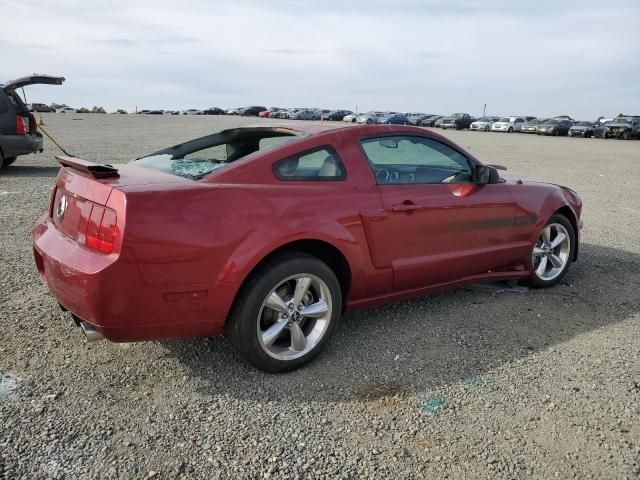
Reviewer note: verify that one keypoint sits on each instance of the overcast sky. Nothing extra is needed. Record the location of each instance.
(528, 58)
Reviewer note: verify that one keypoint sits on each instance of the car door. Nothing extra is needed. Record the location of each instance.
(436, 225)
(517, 126)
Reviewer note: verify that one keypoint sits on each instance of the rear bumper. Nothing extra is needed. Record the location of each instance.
(15, 145)
(108, 292)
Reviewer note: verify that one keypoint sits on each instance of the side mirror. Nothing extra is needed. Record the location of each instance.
(484, 174)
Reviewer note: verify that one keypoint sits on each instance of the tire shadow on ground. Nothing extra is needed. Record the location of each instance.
(427, 342)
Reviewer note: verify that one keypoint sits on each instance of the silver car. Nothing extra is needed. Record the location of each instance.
(370, 117)
(484, 123)
(508, 124)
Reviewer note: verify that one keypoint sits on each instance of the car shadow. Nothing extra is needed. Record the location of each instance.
(29, 171)
(417, 345)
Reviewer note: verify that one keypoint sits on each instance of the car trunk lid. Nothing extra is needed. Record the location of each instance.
(31, 80)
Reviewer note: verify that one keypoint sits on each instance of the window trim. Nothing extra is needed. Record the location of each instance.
(328, 148)
(471, 162)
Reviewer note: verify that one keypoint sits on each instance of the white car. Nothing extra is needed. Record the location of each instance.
(483, 124)
(508, 124)
(66, 110)
(351, 118)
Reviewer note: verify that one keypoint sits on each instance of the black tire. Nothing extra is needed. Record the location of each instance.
(242, 324)
(369, 121)
(555, 133)
(510, 130)
(486, 129)
(626, 135)
(534, 280)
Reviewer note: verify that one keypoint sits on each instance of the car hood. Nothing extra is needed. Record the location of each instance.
(33, 79)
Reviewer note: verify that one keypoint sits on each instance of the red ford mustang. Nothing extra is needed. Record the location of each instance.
(271, 232)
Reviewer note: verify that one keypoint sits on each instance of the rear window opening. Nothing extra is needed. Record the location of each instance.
(202, 156)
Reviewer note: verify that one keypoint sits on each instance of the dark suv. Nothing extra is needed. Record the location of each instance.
(18, 128)
(624, 126)
(457, 121)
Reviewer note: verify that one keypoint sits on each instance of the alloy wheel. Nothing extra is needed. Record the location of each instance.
(551, 252)
(294, 316)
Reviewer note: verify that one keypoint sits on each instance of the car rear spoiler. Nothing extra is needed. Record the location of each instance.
(96, 170)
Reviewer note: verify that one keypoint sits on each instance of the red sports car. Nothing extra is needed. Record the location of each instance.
(269, 233)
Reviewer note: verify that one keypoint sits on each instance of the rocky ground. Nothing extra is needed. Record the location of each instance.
(475, 383)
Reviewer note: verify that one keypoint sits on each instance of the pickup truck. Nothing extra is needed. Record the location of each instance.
(458, 121)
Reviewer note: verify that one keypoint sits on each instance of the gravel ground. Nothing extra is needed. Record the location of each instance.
(473, 383)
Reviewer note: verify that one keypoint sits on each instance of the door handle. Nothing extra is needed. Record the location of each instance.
(405, 207)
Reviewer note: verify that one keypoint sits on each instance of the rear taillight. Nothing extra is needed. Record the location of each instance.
(98, 230)
(20, 126)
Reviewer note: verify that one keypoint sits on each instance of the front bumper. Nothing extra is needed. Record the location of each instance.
(109, 293)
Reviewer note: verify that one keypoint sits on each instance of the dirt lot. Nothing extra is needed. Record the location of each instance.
(473, 383)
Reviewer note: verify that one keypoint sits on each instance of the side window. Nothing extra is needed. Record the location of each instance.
(412, 159)
(315, 165)
(4, 102)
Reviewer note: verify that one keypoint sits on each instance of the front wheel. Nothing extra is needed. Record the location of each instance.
(486, 129)
(553, 252)
(510, 130)
(286, 312)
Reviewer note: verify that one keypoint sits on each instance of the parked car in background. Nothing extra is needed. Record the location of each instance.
(508, 124)
(394, 119)
(234, 111)
(531, 126)
(320, 112)
(213, 111)
(66, 110)
(351, 117)
(134, 259)
(190, 111)
(459, 121)
(305, 114)
(625, 127)
(336, 115)
(600, 129)
(528, 119)
(582, 129)
(555, 127)
(40, 108)
(484, 123)
(564, 117)
(369, 117)
(414, 118)
(18, 127)
(267, 113)
(252, 111)
(430, 121)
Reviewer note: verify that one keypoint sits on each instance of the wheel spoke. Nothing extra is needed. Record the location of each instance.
(298, 342)
(315, 310)
(542, 267)
(546, 235)
(560, 238)
(555, 261)
(302, 285)
(276, 303)
(537, 251)
(273, 332)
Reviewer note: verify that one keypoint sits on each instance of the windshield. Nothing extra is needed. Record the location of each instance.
(584, 124)
(485, 119)
(621, 120)
(505, 119)
(202, 156)
(552, 122)
(457, 115)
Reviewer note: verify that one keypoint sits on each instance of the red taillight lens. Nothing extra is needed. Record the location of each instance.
(97, 228)
(20, 126)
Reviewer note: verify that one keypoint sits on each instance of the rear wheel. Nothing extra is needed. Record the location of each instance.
(286, 312)
(552, 253)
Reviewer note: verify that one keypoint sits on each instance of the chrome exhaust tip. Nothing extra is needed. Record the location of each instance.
(90, 333)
